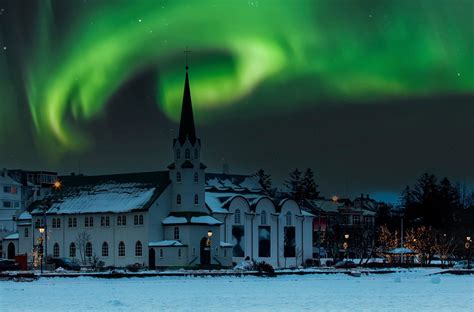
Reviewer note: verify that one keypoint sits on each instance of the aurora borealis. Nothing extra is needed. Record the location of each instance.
(62, 62)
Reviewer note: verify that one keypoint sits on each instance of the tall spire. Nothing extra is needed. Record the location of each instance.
(186, 125)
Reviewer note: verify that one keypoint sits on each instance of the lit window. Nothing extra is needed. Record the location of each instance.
(237, 216)
(178, 199)
(196, 199)
(88, 249)
(138, 249)
(263, 218)
(196, 177)
(56, 250)
(72, 250)
(176, 233)
(105, 249)
(121, 249)
(178, 177)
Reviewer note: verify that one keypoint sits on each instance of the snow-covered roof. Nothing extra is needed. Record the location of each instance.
(224, 244)
(174, 220)
(5, 179)
(233, 182)
(401, 250)
(205, 220)
(307, 214)
(327, 205)
(166, 243)
(25, 215)
(218, 202)
(12, 236)
(190, 218)
(102, 194)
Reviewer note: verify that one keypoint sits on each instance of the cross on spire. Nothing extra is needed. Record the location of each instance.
(187, 51)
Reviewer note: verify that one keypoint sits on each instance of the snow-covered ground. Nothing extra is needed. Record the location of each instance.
(404, 291)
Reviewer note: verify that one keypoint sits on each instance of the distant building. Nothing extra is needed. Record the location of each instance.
(179, 217)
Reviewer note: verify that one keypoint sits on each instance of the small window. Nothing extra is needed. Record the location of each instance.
(102, 221)
(56, 250)
(86, 222)
(91, 221)
(196, 199)
(124, 220)
(356, 219)
(187, 154)
(26, 232)
(121, 249)
(178, 177)
(74, 222)
(54, 223)
(105, 249)
(72, 250)
(178, 153)
(178, 199)
(88, 250)
(179, 253)
(58, 223)
(138, 249)
(107, 221)
(7, 189)
(17, 204)
(288, 218)
(7, 204)
(237, 216)
(196, 177)
(14, 190)
(176, 233)
(135, 219)
(69, 222)
(119, 220)
(161, 253)
(225, 253)
(263, 217)
(140, 219)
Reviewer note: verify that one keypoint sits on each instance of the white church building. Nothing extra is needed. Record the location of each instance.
(181, 217)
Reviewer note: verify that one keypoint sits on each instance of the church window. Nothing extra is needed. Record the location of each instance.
(72, 222)
(288, 218)
(107, 221)
(196, 177)
(124, 220)
(196, 153)
(121, 249)
(54, 223)
(58, 223)
(72, 250)
(178, 177)
(138, 249)
(104, 221)
(196, 199)
(176, 233)
(263, 217)
(179, 253)
(37, 223)
(140, 219)
(26, 232)
(237, 216)
(178, 199)
(105, 249)
(88, 250)
(91, 221)
(187, 154)
(135, 219)
(86, 222)
(161, 253)
(119, 220)
(178, 153)
(56, 250)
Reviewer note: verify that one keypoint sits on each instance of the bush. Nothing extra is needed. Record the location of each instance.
(134, 267)
(265, 268)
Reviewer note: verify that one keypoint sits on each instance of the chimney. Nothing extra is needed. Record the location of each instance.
(367, 196)
(4, 172)
(225, 169)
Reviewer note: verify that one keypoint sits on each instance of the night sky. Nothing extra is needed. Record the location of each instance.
(369, 94)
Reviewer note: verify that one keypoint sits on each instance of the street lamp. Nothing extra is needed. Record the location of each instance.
(209, 243)
(467, 245)
(346, 245)
(41, 229)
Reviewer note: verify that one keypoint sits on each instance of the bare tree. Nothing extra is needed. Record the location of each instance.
(81, 241)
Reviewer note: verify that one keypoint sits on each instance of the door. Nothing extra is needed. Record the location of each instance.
(11, 251)
(151, 259)
(205, 251)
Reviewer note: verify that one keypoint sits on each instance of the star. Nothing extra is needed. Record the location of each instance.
(4, 47)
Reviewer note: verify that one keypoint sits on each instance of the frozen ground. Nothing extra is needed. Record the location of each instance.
(404, 291)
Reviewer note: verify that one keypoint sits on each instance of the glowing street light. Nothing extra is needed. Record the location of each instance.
(209, 243)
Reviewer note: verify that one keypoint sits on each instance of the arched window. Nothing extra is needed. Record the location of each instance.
(176, 233)
(178, 177)
(196, 177)
(196, 153)
(140, 219)
(196, 199)
(135, 219)
(187, 154)
(138, 249)
(56, 250)
(105, 249)
(88, 249)
(178, 153)
(288, 218)
(72, 250)
(263, 217)
(178, 199)
(237, 216)
(121, 249)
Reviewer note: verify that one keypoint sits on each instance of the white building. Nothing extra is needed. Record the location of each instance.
(162, 219)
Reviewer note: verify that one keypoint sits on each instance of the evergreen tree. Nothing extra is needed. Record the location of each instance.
(295, 186)
(310, 188)
(265, 181)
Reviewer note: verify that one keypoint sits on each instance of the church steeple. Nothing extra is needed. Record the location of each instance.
(186, 125)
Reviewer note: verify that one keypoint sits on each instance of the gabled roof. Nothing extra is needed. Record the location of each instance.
(232, 182)
(190, 217)
(116, 193)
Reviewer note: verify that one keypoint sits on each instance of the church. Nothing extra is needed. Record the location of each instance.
(181, 217)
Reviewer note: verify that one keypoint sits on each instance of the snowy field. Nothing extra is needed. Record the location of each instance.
(404, 291)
